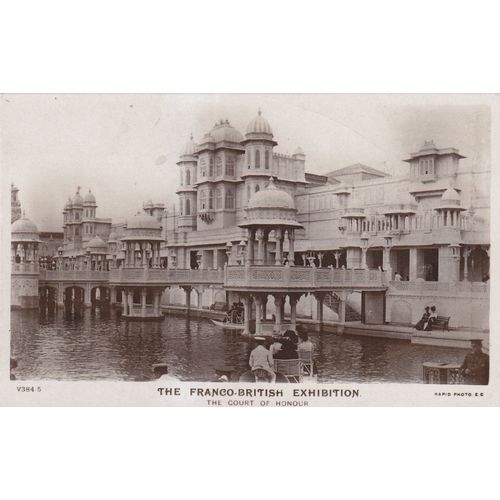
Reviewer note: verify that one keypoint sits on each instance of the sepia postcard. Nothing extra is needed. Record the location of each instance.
(265, 250)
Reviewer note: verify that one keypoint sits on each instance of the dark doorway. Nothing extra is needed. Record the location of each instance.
(431, 264)
(193, 264)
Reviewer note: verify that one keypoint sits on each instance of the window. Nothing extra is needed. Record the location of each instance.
(218, 166)
(249, 158)
(203, 199)
(218, 198)
(77, 231)
(188, 177)
(211, 200)
(188, 207)
(211, 168)
(266, 159)
(249, 192)
(230, 166)
(230, 199)
(203, 164)
(426, 167)
(257, 159)
(257, 188)
(77, 216)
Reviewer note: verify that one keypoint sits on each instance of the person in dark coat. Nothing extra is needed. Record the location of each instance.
(476, 365)
(288, 350)
(423, 319)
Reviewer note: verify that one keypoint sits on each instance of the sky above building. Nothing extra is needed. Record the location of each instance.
(125, 147)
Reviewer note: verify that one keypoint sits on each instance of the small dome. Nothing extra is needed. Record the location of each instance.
(60, 249)
(68, 204)
(96, 242)
(190, 147)
(259, 125)
(24, 226)
(142, 221)
(89, 198)
(223, 131)
(112, 237)
(271, 197)
(77, 199)
(299, 152)
(148, 204)
(450, 195)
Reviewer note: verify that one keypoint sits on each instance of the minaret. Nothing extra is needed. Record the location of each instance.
(187, 191)
(15, 204)
(259, 144)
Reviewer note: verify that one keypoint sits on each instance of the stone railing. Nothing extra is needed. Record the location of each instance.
(166, 276)
(430, 287)
(26, 268)
(442, 373)
(298, 277)
(73, 275)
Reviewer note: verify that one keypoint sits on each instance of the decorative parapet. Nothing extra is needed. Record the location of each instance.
(73, 275)
(165, 277)
(302, 278)
(423, 288)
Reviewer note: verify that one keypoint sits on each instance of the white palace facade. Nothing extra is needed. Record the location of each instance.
(355, 244)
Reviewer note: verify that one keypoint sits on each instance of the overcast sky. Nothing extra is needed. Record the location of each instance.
(125, 147)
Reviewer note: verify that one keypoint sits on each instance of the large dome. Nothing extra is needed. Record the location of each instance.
(223, 131)
(271, 197)
(25, 230)
(24, 225)
(259, 125)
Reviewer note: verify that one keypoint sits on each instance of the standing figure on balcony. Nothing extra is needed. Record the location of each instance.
(476, 365)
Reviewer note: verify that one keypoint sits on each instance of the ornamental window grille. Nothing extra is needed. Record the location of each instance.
(230, 166)
(218, 166)
(426, 167)
(218, 198)
(229, 199)
(210, 200)
(203, 199)
(211, 168)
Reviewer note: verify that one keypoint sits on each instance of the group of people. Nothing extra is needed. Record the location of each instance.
(235, 314)
(427, 320)
(287, 346)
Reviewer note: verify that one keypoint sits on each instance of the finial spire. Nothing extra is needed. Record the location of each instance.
(259, 112)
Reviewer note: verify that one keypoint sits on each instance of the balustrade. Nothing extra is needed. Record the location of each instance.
(297, 277)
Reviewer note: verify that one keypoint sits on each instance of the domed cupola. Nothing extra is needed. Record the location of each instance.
(450, 199)
(68, 204)
(97, 245)
(24, 230)
(77, 200)
(89, 199)
(271, 207)
(259, 127)
(189, 148)
(142, 227)
(223, 131)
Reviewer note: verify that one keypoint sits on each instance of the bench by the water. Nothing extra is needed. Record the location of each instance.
(442, 373)
(443, 322)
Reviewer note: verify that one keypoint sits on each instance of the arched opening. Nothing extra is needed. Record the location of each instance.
(74, 298)
(188, 177)
(188, 207)
(257, 188)
(47, 299)
(100, 296)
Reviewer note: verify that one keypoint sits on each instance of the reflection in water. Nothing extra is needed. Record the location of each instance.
(98, 345)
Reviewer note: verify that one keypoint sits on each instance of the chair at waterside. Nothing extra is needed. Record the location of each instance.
(289, 368)
(261, 375)
(306, 362)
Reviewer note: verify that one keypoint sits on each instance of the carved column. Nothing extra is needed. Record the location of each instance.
(258, 314)
(319, 307)
(293, 310)
(337, 258)
(251, 246)
(291, 246)
(279, 302)
(279, 249)
(143, 301)
(260, 246)
(246, 314)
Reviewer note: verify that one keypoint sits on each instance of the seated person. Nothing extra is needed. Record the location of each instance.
(431, 320)
(305, 345)
(292, 336)
(423, 319)
(262, 358)
(288, 350)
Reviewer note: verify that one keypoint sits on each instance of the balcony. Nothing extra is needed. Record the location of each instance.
(302, 278)
(73, 275)
(165, 277)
